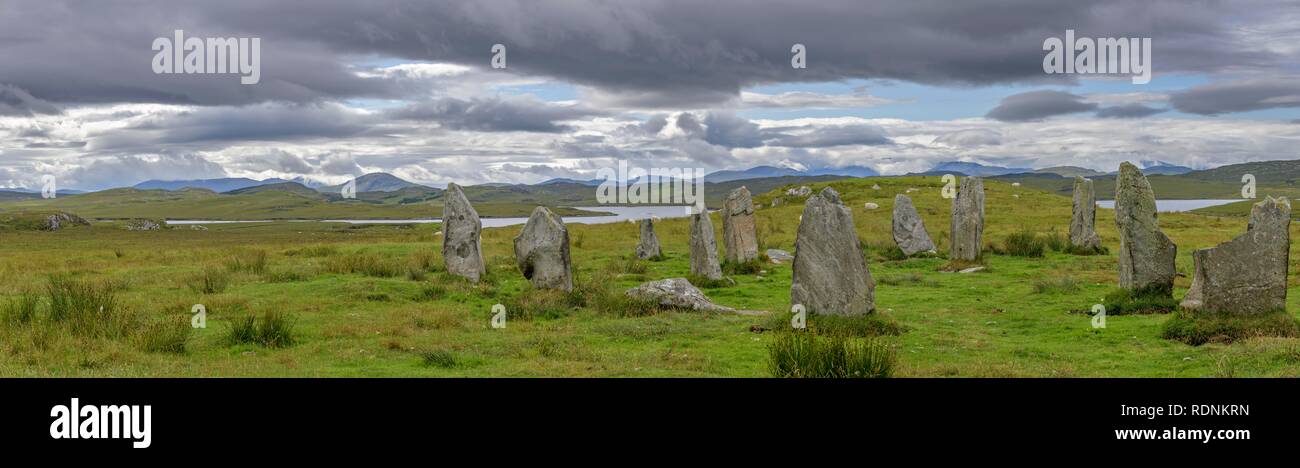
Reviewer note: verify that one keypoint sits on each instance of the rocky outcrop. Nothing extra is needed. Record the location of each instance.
(1146, 255)
(1246, 275)
(909, 229)
(1083, 217)
(968, 220)
(830, 274)
(739, 234)
(542, 251)
(462, 250)
(676, 293)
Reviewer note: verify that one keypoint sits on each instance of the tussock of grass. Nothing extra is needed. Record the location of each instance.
(1024, 244)
(1198, 328)
(252, 261)
(912, 278)
(312, 251)
(1056, 241)
(882, 252)
(166, 335)
(749, 267)
(273, 330)
(627, 265)
(87, 308)
(440, 358)
(367, 264)
(22, 309)
(208, 281)
(1060, 284)
(286, 275)
(1080, 250)
(808, 355)
(873, 324)
(1147, 301)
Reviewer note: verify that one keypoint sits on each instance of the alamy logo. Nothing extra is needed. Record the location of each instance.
(1101, 56)
(102, 422)
(656, 186)
(195, 55)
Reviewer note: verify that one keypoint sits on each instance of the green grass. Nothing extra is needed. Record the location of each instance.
(997, 323)
(1024, 244)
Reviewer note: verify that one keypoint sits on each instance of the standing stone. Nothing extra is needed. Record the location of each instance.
(649, 245)
(462, 251)
(1246, 275)
(1083, 218)
(739, 235)
(542, 251)
(830, 273)
(704, 248)
(968, 220)
(1146, 255)
(909, 229)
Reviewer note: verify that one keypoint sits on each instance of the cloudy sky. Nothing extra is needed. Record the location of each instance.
(406, 87)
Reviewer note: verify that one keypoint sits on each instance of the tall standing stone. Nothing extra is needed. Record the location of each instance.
(909, 229)
(542, 251)
(830, 273)
(462, 250)
(1083, 217)
(648, 247)
(968, 220)
(704, 247)
(739, 235)
(1246, 275)
(1146, 255)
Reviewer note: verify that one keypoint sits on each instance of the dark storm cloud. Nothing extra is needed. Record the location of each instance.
(1239, 96)
(1128, 111)
(263, 122)
(1037, 105)
(727, 129)
(494, 114)
(637, 53)
(17, 102)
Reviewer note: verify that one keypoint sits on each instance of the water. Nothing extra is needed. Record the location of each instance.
(1167, 206)
(620, 213)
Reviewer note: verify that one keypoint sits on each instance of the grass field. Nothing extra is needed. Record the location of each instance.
(372, 301)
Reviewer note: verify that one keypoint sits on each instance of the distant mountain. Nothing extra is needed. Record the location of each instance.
(292, 187)
(974, 169)
(1070, 171)
(761, 172)
(563, 180)
(225, 184)
(1265, 172)
(374, 182)
(1163, 168)
(848, 171)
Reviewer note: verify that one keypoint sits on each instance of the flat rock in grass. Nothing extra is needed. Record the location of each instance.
(1246, 275)
(1146, 255)
(462, 250)
(972, 270)
(830, 274)
(802, 191)
(704, 247)
(968, 220)
(1083, 215)
(778, 256)
(739, 235)
(542, 251)
(909, 229)
(677, 293)
(648, 245)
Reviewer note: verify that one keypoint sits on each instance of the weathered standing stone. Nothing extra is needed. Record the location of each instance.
(802, 191)
(739, 235)
(542, 251)
(462, 251)
(704, 248)
(1146, 255)
(1083, 218)
(648, 247)
(968, 220)
(1246, 275)
(909, 229)
(677, 293)
(830, 274)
